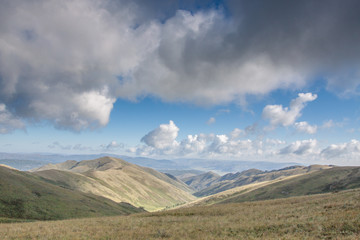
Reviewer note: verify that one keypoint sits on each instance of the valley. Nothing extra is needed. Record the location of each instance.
(321, 216)
(318, 201)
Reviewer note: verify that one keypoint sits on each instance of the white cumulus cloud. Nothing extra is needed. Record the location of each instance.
(305, 127)
(162, 137)
(286, 116)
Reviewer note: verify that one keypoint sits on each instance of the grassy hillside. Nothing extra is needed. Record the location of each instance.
(230, 181)
(24, 196)
(119, 181)
(327, 180)
(201, 181)
(325, 216)
(182, 174)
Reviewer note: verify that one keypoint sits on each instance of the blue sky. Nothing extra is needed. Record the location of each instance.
(267, 81)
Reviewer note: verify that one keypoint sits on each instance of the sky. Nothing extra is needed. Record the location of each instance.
(230, 80)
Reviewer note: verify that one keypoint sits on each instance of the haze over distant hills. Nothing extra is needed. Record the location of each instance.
(25, 161)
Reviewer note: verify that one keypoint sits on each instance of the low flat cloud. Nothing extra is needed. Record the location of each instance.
(300, 148)
(69, 147)
(343, 150)
(211, 120)
(112, 146)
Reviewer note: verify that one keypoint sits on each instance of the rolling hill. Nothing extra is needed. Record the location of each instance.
(119, 181)
(201, 181)
(25, 196)
(250, 176)
(313, 182)
(327, 180)
(321, 216)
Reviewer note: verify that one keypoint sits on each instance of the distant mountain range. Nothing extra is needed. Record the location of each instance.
(26, 162)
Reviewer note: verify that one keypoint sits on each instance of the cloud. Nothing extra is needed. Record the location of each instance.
(236, 146)
(348, 149)
(60, 61)
(8, 122)
(162, 137)
(66, 62)
(68, 147)
(223, 111)
(162, 141)
(305, 127)
(112, 146)
(280, 116)
(328, 124)
(194, 144)
(211, 120)
(300, 148)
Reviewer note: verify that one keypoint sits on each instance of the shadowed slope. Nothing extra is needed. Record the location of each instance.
(29, 197)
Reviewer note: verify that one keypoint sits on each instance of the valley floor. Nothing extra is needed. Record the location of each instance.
(323, 216)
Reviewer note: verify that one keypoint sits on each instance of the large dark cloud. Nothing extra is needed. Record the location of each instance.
(68, 61)
(319, 37)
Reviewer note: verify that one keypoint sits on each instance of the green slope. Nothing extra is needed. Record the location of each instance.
(323, 181)
(25, 196)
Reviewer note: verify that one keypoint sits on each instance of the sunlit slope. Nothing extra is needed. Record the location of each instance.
(231, 180)
(221, 196)
(323, 181)
(119, 181)
(26, 196)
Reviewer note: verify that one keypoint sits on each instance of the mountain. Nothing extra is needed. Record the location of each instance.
(323, 180)
(230, 180)
(201, 181)
(182, 174)
(119, 181)
(27, 161)
(26, 196)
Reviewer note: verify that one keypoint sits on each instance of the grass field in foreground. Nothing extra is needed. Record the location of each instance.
(323, 216)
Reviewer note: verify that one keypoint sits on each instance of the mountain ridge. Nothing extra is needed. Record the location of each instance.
(27, 196)
(119, 181)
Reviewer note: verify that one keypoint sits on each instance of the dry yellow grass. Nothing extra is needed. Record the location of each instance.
(119, 181)
(325, 216)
